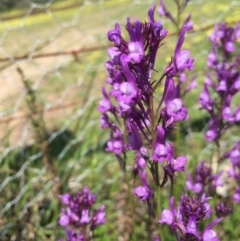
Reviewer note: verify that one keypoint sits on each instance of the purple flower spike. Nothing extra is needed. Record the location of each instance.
(127, 106)
(184, 222)
(223, 81)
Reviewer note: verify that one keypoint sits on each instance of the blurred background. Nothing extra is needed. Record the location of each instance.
(52, 68)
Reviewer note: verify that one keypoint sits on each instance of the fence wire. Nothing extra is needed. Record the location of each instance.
(60, 48)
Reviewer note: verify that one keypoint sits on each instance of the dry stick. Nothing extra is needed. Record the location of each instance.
(40, 131)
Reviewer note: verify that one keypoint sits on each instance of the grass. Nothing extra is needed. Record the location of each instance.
(78, 148)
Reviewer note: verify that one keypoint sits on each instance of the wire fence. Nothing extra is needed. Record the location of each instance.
(58, 49)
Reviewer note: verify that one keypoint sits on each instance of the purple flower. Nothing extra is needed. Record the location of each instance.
(65, 198)
(104, 104)
(195, 187)
(203, 178)
(222, 210)
(161, 151)
(105, 123)
(213, 132)
(144, 193)
(134, 138)
(236, 196)
(115, 35)
(99, 217)
(182, 57)
(175, 110)
(64, 220)
(212, 60)
(234, 154)
(196, 207)
(74, 236)
(167, 217)
(141, 162)
(210, 235)
(227, 114)
(205, 100)
(179, 163)
(191, 227)
(115, 145)
(85, 219)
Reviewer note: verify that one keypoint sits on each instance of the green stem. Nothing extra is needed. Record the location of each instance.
(151, 109)
(159, 211)
(178, 140)
(130, 204)
(178, 16)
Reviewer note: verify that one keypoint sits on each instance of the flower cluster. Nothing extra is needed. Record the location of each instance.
(133, 121)
(78, 216)
(222, 80)
(202, 178)
(186, 219)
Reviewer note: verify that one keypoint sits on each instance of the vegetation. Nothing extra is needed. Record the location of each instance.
(29, 208)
